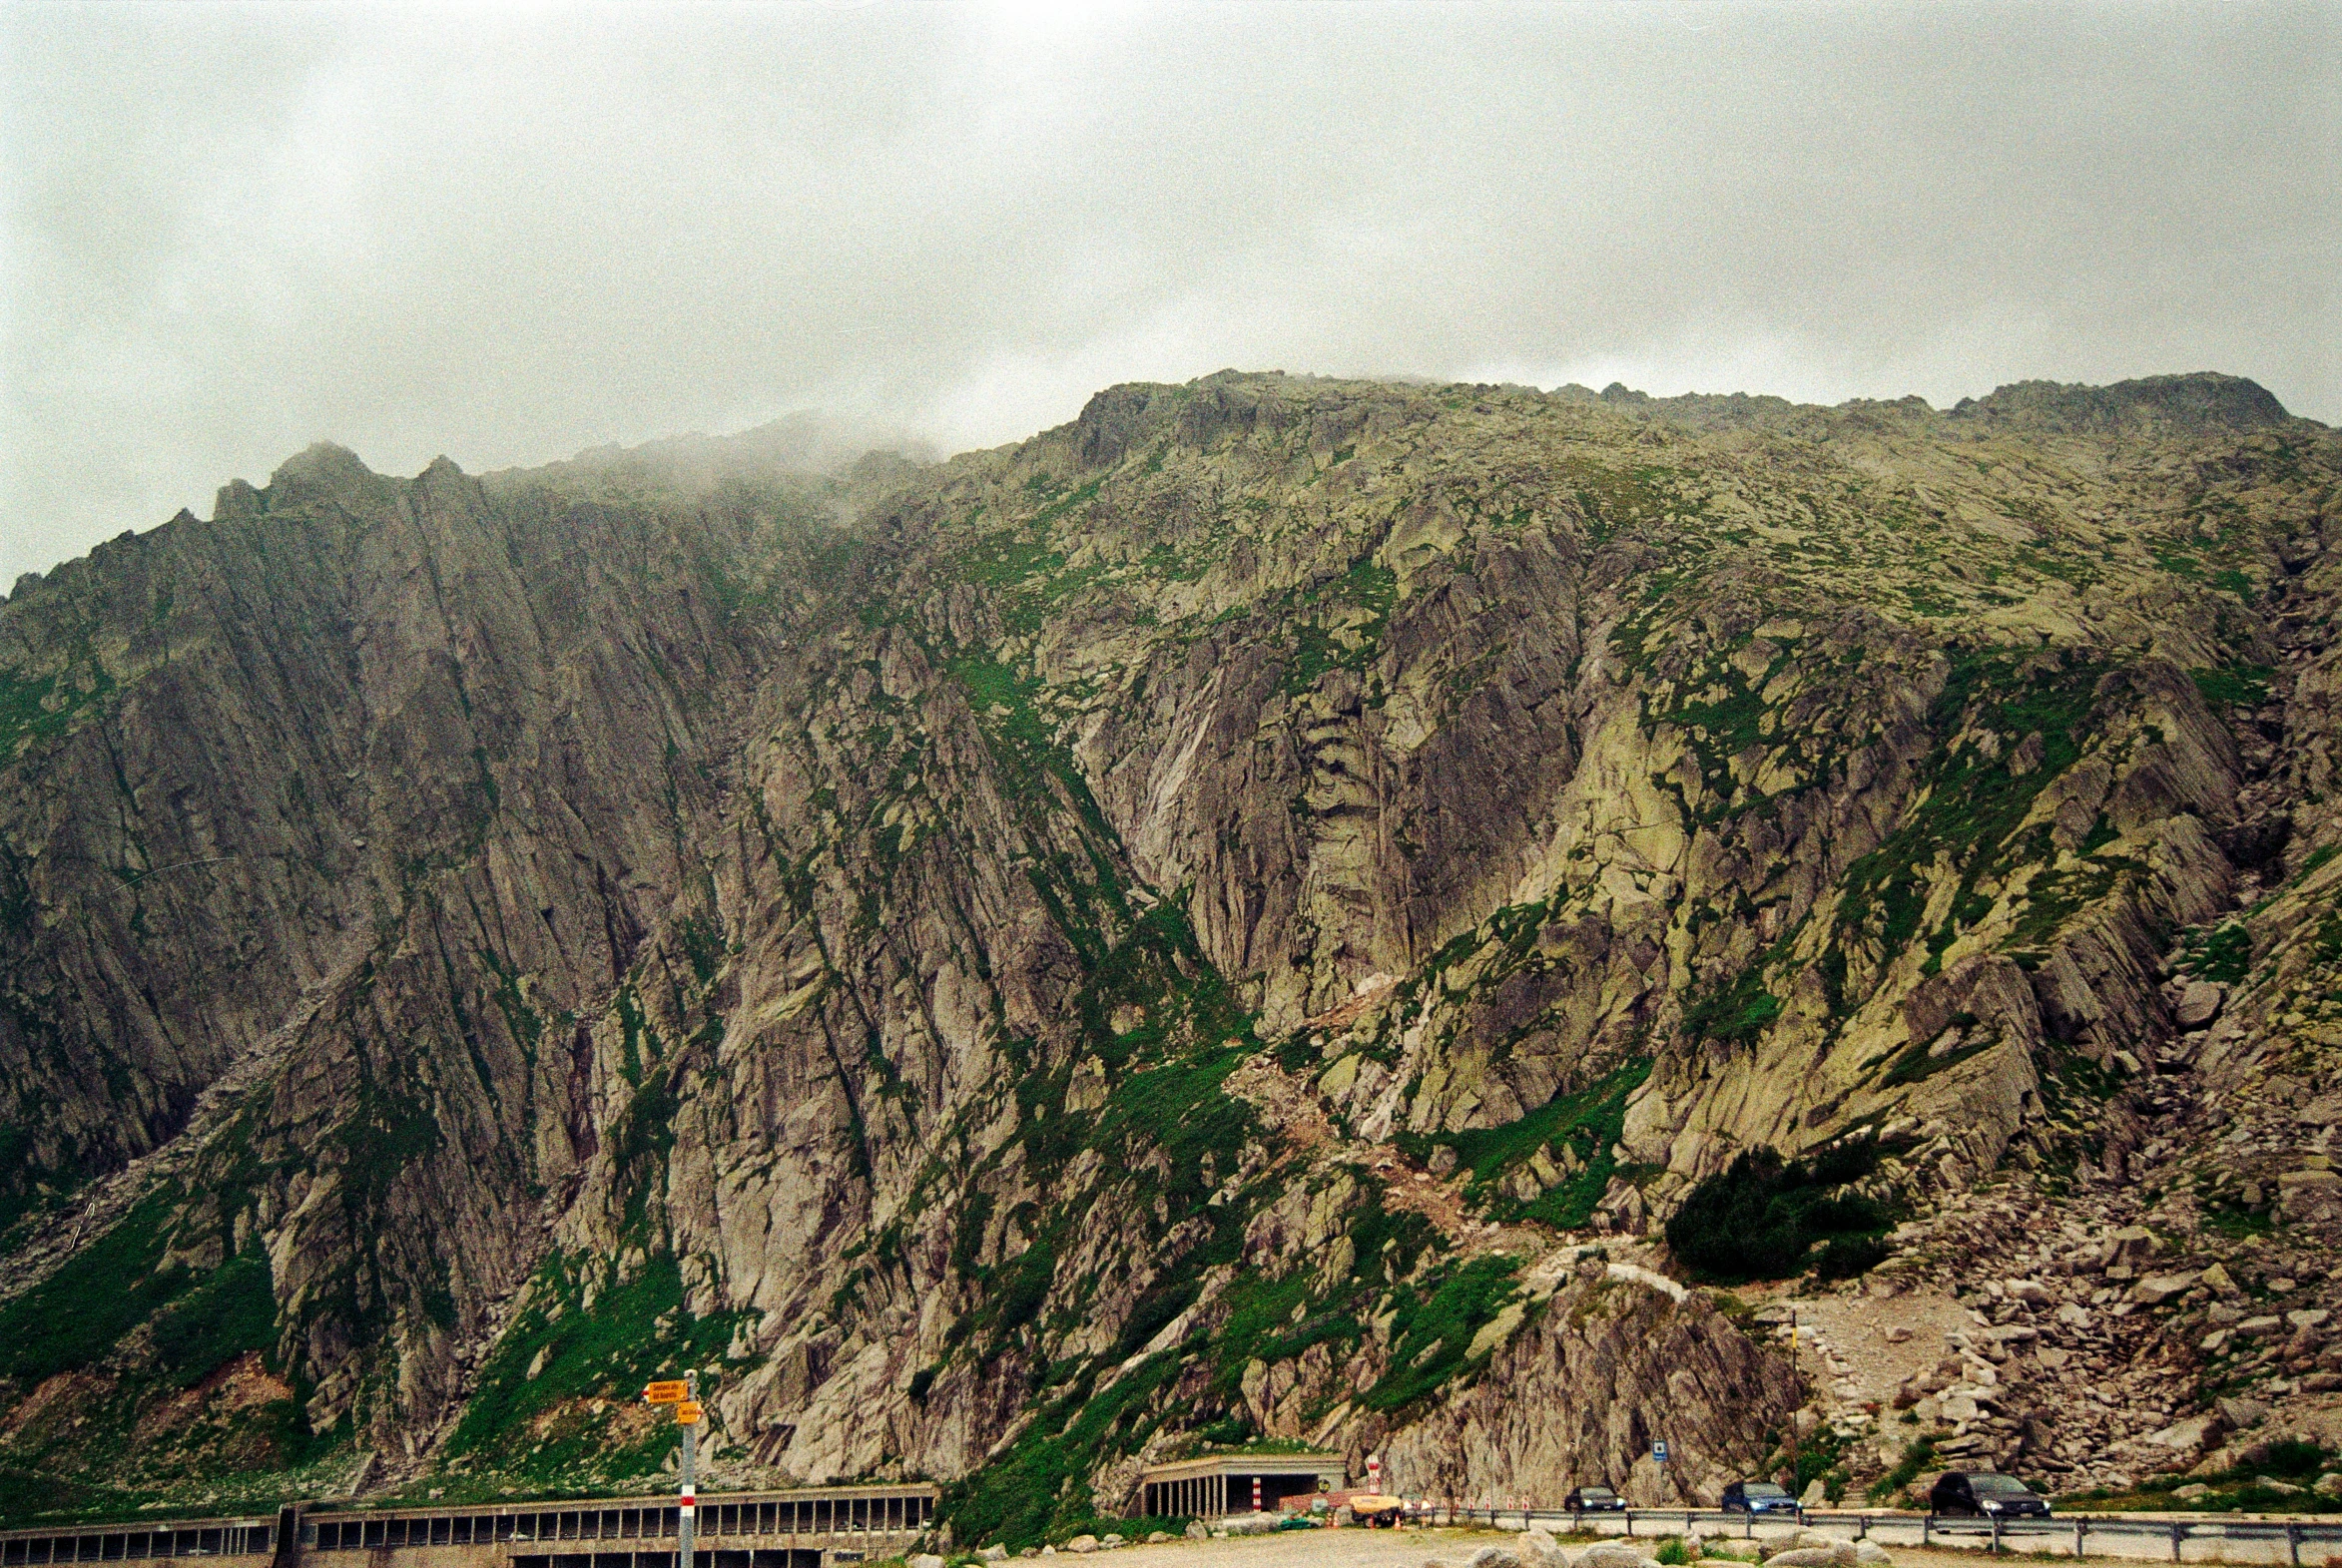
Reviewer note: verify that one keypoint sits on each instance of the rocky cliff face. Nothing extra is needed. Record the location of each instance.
(1239, 918)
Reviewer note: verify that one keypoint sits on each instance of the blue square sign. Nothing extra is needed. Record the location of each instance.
(1660, 1450)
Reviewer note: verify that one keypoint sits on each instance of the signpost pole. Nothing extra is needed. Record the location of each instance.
(689, 1503)
(1797, 1386)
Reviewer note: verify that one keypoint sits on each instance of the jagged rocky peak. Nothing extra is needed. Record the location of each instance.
(1283, 911)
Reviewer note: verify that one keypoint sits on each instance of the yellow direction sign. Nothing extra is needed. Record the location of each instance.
(689, 1413)
(666, 1393)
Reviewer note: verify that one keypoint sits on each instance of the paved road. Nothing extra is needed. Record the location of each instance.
(1411, 1548)
(2204, 1538)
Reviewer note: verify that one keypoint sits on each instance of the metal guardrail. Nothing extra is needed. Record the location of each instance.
(2074, 1532)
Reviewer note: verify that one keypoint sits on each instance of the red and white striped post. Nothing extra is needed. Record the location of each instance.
(686, 1505)
(1256, 1494)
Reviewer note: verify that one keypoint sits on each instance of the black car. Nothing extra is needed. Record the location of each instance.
(1595, 1499)
(1755, 1497)
(1986, 1494)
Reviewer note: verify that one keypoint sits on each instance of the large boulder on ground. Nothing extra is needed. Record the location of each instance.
(2242, 1413)
(1251, 1523)
(926, 1560)
(1840, 1555)
(2200, 1004)
(1495, 1557)
(2157, 1289)
(1871, 1554)
(1611, 1554)
(1197, 1530)
(2192, 1436)
(1540, 1550)
(1082, 1543)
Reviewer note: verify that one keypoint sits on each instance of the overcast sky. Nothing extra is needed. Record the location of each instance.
(507, 234)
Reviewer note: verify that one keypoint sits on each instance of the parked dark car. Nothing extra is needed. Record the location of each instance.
(1986, 1494)
(1595, 1499)
(1754, 1497)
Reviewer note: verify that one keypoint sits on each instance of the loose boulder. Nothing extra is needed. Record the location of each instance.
(2157, 1289)
(1082, 1543)
(2242, 1413)
(2200, 1004)
(1540, 1550)
(2192, 1436)
(1840, 1555)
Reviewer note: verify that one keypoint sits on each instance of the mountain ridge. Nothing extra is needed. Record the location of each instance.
(1180, 930)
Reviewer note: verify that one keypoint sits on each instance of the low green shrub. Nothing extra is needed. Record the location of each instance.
(1763, 1218)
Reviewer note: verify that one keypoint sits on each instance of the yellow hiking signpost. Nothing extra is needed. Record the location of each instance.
(681, 1392)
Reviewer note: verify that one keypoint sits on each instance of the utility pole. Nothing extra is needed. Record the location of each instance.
(689, 1415)
(1796, 1386)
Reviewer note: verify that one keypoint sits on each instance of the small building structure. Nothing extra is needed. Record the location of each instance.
(1214, 1485)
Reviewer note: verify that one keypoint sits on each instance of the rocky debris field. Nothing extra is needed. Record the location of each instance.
(2171, 1306)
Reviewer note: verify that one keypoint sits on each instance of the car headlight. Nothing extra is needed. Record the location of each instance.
(1991, 1507)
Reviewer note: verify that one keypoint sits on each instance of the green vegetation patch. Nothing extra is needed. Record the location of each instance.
(34, 708)
(1618, 501)
(1919, 1456)
(1973, 802)
(80, 1313)
(1431, 1334)
(232, 1313)
(1366, 587)
(530, 1418)
(1038, 1491)
(2222, 953)
(1767, 1218)
(1735, 1012)
(2235, 686)
(2294, 1462)
(1577, 1131)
